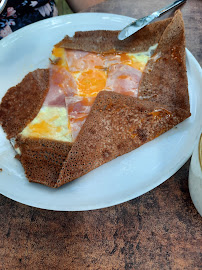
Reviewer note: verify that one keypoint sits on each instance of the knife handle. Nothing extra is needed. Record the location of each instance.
(165, 9)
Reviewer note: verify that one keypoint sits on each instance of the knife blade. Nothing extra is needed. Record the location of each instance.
(2, 5)
(136, 25)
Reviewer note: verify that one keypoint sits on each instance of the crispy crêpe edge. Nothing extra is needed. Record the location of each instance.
(42, 159)
(118, 124)
(21, 103)
(105, 41)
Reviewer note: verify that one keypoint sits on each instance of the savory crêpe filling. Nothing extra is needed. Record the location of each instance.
(76, 77)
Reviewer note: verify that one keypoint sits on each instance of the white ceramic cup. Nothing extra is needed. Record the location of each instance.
(195, 177)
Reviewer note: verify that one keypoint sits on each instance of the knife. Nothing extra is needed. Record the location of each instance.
(136, 25)
(2, 5)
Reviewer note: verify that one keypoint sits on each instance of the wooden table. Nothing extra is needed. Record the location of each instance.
(159, 230)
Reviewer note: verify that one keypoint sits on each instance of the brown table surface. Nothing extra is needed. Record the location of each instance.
(159, 230)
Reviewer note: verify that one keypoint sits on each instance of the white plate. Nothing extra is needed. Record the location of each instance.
(118, 181)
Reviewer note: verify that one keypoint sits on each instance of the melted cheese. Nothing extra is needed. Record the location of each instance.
(50, 123)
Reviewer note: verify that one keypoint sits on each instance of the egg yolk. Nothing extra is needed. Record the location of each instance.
(59, 53)
(132, 61)
(91, 82)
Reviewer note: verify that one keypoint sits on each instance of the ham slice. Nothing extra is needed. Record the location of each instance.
(79, 61)
(62, 84)
(123, 79)
(112, 59)
(78, 109)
